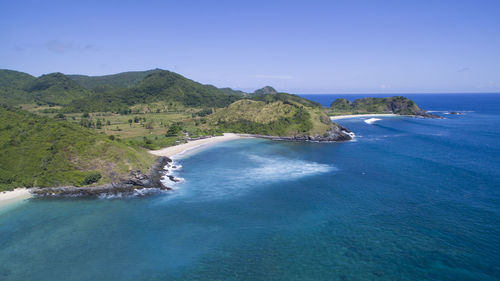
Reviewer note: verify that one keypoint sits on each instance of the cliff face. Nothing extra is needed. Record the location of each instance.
(396, 105)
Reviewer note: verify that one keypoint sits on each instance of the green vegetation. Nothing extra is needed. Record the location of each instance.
(273, 96)
(119, 80)
(80, 130)
(50, 89)
(56, 89)
(41, 151)
(229, 91)
(12, 85)
(267, 90)
(276, 118)
(397, 105)
(165, 87)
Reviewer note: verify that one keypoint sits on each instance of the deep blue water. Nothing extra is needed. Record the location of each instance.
(409, 199)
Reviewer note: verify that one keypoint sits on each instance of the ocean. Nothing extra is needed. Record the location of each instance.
(408, 199)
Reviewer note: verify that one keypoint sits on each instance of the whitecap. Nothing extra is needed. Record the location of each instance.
(372, 120)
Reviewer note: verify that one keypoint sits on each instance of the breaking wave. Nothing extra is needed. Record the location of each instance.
(277, 168)
(372, 120)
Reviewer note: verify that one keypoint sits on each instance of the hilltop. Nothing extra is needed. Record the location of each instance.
(287, 119)
(119, 80)
(50, 89)
(12, 85)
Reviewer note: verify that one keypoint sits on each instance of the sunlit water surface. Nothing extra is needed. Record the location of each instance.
(409, 199)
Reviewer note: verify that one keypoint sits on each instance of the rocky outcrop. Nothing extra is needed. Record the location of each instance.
(336, 133)
(135, 183)
(396, 105)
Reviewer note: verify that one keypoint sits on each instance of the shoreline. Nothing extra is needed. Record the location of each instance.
(12, 196)
(175, 150)
(19, 194)
(363, 115)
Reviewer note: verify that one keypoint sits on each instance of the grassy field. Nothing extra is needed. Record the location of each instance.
(146, 129)
(152, 127)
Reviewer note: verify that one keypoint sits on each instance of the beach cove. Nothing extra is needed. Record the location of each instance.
(372, 209)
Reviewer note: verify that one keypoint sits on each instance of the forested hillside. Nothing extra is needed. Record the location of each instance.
(119, 80)
(161, 86)
(396, 105)
(13, 87)
(39, 151)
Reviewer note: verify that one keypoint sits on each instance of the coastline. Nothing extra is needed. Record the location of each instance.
(363, 115)
(172, 151)
(137, 181)
(9, 197)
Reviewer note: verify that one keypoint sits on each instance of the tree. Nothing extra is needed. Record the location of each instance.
(91, 178)
(60, 116)
(173, 130)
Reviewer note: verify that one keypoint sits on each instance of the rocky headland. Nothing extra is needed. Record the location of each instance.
(135, 183)
(393, 105)
(336, 133)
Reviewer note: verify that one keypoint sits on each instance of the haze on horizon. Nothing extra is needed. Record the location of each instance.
(295, 46)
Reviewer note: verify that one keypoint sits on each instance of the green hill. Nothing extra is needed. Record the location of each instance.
(54, 89)
(14, 79)
(38, 151)
(265, 91)
(119, 80)
(277, 118)
(13, 87)
(160, 86)
(267, 95)
(229, 91)
(396, 105)
(57, 89)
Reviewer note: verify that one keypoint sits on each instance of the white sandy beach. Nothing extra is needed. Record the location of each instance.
(362, 115)
(178, 149)
(7, 197)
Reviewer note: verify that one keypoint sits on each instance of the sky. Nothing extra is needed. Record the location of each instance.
(355, 46)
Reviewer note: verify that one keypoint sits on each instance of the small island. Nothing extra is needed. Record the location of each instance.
(397, 105)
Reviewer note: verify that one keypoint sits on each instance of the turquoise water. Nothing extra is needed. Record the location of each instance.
(409, 199)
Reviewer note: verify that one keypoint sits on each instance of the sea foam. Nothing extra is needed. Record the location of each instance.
(279, 168)
(372, 120)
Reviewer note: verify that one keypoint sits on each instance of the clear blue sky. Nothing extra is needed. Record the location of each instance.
(297, 46)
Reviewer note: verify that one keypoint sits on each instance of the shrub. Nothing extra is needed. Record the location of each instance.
(173, 130)
(60, 116)
(91, 178)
